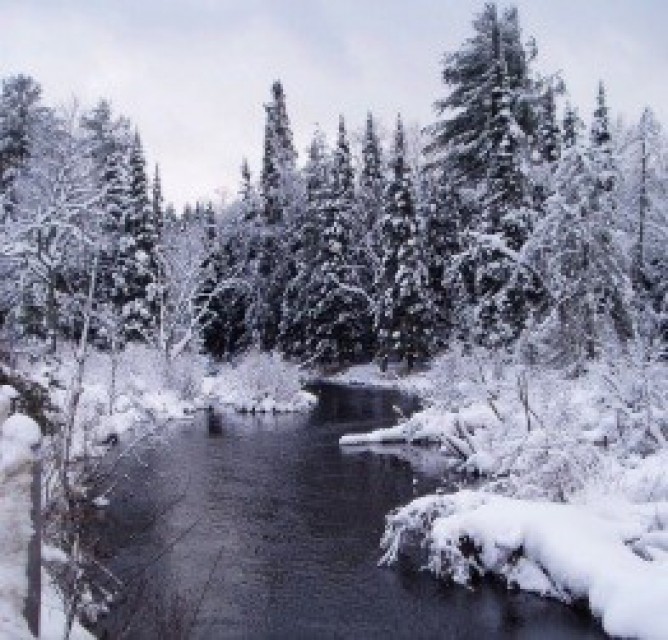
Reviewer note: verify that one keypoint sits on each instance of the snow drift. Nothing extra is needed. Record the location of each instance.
(620, 569)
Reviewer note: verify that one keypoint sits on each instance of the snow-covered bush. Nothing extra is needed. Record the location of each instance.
(259, 382)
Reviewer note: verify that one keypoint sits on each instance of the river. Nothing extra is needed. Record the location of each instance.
(271, 530)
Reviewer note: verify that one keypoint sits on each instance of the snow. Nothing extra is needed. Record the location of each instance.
(574, 496)
(18, 435)
(258, 383)
(370, 375)
(149, 390)
(52, 614)
(564, 551)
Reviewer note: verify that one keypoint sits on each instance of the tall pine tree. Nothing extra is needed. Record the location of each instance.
(403, 322)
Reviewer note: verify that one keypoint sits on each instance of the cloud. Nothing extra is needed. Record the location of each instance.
(193, 75)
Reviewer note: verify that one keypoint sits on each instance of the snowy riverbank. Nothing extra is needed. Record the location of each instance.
(612, 557)
(18, 434)
(139, 389)
(258, 383)
(570, 464)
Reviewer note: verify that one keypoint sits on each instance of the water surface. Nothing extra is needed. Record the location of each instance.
(283, 525)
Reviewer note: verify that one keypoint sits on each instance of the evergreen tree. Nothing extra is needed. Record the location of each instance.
(441, 212)
(307, 239)
(601, 147)
(549, 132)
(338, 321)
(371, 188)
(20, 110)
(505, 293)
(372, 178)
(580, 261)
(460, 140)
(142, 292)
(572, 127)
(272, 265)
(280, 157)
(157, 203)
(402, 321)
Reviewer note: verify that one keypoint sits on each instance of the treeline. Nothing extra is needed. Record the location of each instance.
(86, 240)
(522, 228)
(517, 227)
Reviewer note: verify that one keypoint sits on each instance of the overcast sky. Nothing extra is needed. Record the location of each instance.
(193, 74)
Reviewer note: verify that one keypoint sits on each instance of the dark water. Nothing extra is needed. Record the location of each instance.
(285, 532)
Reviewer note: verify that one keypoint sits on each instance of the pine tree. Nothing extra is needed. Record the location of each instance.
(572, 127)
(403, 323)
(338, 320)
(505, 292)
(549, 132)
(279, 159)
(272, 265)
(442, 211)
(157, 203)
(142, 293)
(248, 197)
(372, 178)
(372, 183)
(601, 146)
(20, 110)
(580, 261)
(307, 239)
(460, 140)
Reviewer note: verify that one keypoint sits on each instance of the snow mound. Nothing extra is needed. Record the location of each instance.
(259, 383)
(616, 560)
(18, 435)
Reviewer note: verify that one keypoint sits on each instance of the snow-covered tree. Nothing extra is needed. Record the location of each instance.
(402, 315)
(272, 266)
(141, 226)
(338, 321)
(460, 140)
(581, 263)
(20, 111)
(307, 239)
(54, 222)
(643, 216)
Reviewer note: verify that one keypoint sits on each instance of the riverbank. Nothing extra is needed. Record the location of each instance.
(137, 391)
(544, 442)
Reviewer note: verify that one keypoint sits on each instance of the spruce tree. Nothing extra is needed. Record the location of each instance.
(578, 256)
(20, 110)
(403, 323)
(460, 140)
(307, 239)
(505, 292)
(142, 293)
(338, 321)
(272, 265)
(549, 132)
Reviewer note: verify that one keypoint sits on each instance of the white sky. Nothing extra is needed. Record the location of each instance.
(193, 74)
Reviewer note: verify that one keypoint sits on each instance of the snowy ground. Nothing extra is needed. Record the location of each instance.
(150, 391)
(575, 476)
(18, 434)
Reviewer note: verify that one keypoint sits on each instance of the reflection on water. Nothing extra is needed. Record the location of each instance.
(295, 522)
